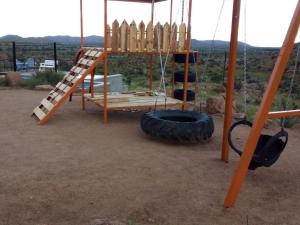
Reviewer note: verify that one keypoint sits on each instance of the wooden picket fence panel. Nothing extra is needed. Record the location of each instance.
(141, 38)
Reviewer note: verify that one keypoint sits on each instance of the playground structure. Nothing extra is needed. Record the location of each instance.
(133, 42)
(124, 39)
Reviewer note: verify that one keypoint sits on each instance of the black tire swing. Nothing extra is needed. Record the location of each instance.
(269, 147)
(177, 125)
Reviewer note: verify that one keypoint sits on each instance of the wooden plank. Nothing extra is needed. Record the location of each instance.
(48, 105)
(141, 37)
(98, 54)
(158, 37)
(39, 113)
(58, 97)
(149, 37)
(115, 36)
(174, 37)
(88, 52)
(123, 35)
(182, 38)
(166, 37)
(108, 36)
(132, 37)
(70, 78)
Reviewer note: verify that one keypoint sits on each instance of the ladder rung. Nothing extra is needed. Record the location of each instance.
(48, 105)
(53, 94)
(58, 97)
(98, 54)
(39, 113)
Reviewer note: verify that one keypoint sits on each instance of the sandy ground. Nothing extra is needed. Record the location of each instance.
(75, 170)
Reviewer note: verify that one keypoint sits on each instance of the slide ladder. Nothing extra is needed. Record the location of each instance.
(85, 65)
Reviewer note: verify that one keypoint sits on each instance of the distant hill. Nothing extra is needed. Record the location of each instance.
(216, 45)
(94, 40)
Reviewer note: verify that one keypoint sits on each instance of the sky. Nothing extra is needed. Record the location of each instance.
(266, 20)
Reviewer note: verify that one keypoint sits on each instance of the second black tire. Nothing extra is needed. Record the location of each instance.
(179, 93)
(179, 76)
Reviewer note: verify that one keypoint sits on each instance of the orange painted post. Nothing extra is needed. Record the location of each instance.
(187, 61)
(82, 96)
(264, 109)
(231, 77)
(92, 83)
(105, 111)
(81, 25)
(151, 66)
(151, 72)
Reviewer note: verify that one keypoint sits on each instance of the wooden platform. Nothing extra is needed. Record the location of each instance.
(119, 101)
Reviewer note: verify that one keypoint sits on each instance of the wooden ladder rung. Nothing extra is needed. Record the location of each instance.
(48, 105)
(39, 113)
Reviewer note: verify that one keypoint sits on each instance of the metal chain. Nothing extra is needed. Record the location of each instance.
(163, 66)
(291, 85)
(210, 51)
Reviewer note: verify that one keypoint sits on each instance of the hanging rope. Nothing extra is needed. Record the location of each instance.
(245, 59)
(163, 65)
(210, 51)
(291, 85)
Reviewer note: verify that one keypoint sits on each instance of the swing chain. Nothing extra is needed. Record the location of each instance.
(286, 105)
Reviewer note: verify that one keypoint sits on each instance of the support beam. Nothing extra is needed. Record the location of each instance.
(105, 111)
(281, 114)
(231, 77)
(264, 109)
(81, 25)
(187, 61)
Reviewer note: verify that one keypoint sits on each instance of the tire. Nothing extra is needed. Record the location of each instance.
(179, 76)
(179, 126)
(180, 57)
(178, 94)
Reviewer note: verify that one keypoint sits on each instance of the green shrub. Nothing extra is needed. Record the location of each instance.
(3, 82)
(47, 77)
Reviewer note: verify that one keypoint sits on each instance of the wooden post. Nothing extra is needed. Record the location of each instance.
(124, 36)
(105, 111)
(187, 61)
(264, 109)
(132, 37)
(82, 95)
(14, 53)
(81, 25)
(231, 77)
(166, 37)
(182, 37)
(55, 56)
(141, 37)
(115, 36)
(92, 91)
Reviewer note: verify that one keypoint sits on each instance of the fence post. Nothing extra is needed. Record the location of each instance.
(14, 55)
(55, 56)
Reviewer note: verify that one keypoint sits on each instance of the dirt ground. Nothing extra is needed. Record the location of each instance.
(75, 170)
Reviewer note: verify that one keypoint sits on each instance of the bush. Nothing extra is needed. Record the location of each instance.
(3, 81)
(47, 77)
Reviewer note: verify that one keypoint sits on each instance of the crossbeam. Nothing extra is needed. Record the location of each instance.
(281, 114)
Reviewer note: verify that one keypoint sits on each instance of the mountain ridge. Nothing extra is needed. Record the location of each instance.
(98, 40)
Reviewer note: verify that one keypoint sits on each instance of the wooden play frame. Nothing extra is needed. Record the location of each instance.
(264, 110)
(107, 51)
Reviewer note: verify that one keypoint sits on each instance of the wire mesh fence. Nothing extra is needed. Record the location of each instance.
(21, 56)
